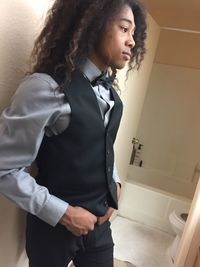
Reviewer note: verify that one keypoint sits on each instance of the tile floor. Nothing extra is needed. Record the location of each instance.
(140, 244)
(118, 263)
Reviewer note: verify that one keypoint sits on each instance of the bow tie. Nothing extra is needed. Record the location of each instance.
(104, 81)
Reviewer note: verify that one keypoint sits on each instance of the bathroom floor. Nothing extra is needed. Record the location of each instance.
(140, 244)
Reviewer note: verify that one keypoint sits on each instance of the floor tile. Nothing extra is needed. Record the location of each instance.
(140, 244)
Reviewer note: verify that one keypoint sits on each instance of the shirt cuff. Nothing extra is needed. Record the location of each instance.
(115, 175)
(53, 211)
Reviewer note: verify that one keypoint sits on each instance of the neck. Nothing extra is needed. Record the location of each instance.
(100, 65)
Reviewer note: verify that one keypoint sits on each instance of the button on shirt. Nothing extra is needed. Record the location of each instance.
(38, 108)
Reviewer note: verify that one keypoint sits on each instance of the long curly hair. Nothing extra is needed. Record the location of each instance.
(72, 29)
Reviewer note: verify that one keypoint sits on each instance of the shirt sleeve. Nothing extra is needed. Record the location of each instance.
(115, 175)
(33, 107)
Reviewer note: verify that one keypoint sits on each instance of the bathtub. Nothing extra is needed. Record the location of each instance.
(148, 197)
(160, 180)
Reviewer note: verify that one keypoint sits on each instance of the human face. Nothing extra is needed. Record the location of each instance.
(116, 42)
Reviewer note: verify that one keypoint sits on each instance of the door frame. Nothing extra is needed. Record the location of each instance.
(188, 251)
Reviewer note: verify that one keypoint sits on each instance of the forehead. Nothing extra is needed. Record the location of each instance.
(126, 13)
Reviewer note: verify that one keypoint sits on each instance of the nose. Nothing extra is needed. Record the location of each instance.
(131, 41)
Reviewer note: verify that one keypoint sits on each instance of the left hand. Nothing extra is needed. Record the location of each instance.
(110, 210)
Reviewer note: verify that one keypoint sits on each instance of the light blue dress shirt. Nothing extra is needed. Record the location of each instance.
(38, 108)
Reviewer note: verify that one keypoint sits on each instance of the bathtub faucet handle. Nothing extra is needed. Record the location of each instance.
(135, 140)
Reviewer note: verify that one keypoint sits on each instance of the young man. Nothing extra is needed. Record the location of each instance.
(65, 115)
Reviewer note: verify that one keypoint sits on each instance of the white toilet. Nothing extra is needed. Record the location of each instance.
(177, 220)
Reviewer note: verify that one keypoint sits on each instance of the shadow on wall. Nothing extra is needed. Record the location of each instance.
(20, 234)
(18, 28)
(18, 25)
(12, 232)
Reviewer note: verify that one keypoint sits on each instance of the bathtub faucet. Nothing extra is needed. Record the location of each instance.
(135, 155)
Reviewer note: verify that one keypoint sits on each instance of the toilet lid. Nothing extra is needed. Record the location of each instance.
(184, 216)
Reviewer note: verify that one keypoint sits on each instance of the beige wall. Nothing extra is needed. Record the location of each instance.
(169, 127)
(133, 93)
(19, 21)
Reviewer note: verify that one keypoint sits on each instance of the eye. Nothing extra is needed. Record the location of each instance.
(124, 29)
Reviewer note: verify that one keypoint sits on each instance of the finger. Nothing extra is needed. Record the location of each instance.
(106, 217)
(95, 219)
(85, 233)
(101, 219)
(76, 233)
(110, 212)
(73, 231)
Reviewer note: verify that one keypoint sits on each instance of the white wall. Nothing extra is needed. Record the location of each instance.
(19, 22)
(133, 93)
(169, 127)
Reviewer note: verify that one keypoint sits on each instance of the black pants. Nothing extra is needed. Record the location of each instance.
(48, 246)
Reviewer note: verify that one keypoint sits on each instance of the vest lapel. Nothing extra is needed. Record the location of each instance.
(80, 81)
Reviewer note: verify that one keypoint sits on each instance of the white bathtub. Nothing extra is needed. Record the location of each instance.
(161, 181)
(149, 199)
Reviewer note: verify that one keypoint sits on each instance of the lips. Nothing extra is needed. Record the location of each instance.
(127, 55)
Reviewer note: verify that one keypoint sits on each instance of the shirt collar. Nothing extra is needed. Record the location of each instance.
(90, 70)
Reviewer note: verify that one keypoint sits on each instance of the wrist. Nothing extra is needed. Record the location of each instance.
(118, 190)
(66, 216)
(119, 184)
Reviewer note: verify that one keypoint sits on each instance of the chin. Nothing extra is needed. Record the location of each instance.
(118, 65)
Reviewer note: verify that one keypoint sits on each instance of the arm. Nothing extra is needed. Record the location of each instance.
(116, 177)
(34, 107)
(21, 130)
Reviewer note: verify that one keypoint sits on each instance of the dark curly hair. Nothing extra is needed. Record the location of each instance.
(72, 29)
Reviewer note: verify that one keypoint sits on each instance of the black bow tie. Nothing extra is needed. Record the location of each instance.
(104, 80)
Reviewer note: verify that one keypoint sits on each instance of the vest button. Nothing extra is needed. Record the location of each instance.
(106, 204)
(109, 169)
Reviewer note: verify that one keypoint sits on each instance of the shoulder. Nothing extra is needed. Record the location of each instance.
(35, 89)
(36, 83)
(44, 79)
(37, 93)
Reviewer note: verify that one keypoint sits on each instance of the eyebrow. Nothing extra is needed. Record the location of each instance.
(127, 20)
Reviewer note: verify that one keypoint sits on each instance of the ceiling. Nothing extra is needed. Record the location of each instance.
(179, 20)
(181, 14)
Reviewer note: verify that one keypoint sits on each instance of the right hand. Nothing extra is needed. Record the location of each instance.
(78, 220)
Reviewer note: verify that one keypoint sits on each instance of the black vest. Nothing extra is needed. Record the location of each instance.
(77, 165)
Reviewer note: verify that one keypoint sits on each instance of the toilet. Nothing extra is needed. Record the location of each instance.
(177, 220)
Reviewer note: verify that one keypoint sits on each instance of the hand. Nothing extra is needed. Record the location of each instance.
(118, 191)
(110, 210)
(71, 264)
(106, 217)
(78, 220)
